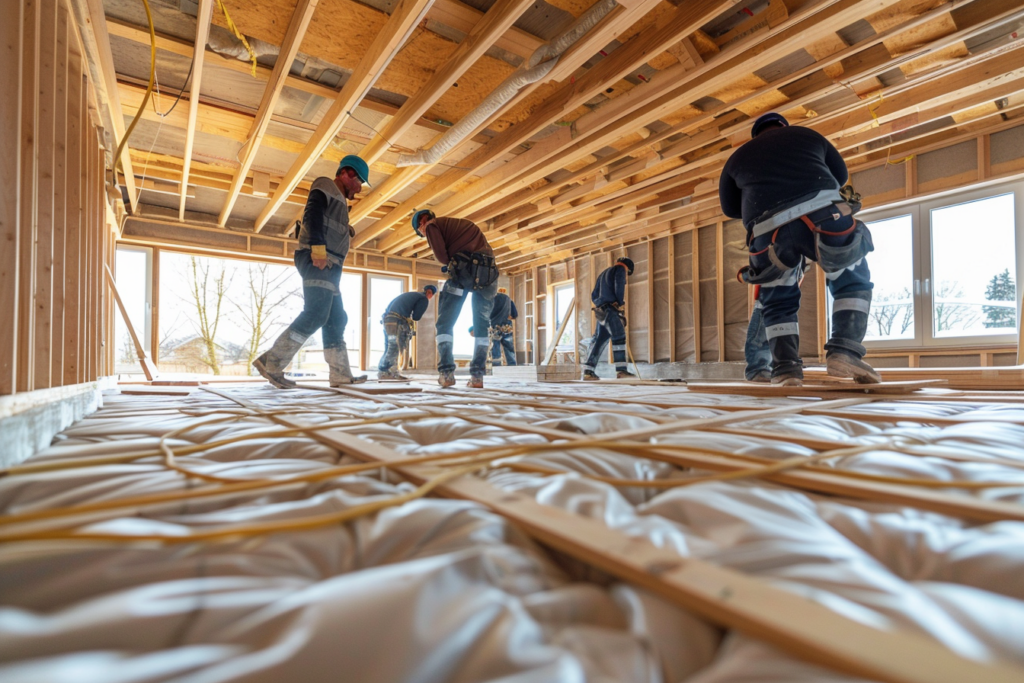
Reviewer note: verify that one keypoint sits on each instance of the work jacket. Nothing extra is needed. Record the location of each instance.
(450, 236)
(610, 287)
(503, 310)
(325, 220)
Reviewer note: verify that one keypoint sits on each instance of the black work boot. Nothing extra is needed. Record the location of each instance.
(787, 368)
(845, 351)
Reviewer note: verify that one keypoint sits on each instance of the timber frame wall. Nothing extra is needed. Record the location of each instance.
(57, 225)
(685, 268)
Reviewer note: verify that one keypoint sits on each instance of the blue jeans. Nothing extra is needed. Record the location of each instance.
(756, 351)
(321, 302)
(397, 335)
(610, 328)
(449, 305)
(505, 344)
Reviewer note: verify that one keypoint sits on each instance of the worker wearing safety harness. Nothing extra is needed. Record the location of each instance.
(469, 263)
(399, 320)
(502, 314)
(609, 299)
(323, 245)
(785, 185)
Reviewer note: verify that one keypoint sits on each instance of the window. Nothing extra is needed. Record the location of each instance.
(133, 266)
(564, 294)
(382, 291)
(352, 299)
(945, 270)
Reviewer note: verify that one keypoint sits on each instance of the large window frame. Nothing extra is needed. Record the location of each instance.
(923, 267)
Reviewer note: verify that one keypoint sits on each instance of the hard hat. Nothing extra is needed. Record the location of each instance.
(430, 289)
(628, 263)
(356, 163)
(416, 219)
(502, 290)
(766, 119)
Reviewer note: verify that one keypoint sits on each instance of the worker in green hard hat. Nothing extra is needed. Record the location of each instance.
(323, 245)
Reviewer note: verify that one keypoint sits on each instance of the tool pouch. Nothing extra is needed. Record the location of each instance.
(478, 271)
(836, 259)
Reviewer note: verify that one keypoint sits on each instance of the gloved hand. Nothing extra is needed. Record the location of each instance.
(444, 269)
(622, 317)
(320, 256)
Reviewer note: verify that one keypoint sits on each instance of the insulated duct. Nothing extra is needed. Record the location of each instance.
(539, 65)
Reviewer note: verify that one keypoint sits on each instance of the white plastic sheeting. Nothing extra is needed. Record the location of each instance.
(443, 590)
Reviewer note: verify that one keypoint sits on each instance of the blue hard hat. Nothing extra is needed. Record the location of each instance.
(357, 164)
(416, 219)
(766, 119)
(430, 288)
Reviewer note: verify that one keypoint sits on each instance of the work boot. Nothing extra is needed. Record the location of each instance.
(762, 377)
(475, 383)
(341, 372)
(624, 374)
(446, 378)
(789, 379)
(590, 376)
(391, 374)
(271, 363)
(839, 364)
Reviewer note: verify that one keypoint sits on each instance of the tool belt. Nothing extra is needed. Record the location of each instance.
(478, 271)
(832, 259)
(601, 312)
(497, 332)
(397, 321)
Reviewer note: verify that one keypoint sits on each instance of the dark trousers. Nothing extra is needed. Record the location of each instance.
(449, 305)
(321, 302)
(756, 351)
(503, 343)
(397, 335)
(610, 328)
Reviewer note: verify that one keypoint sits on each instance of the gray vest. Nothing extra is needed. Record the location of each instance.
(336, 234)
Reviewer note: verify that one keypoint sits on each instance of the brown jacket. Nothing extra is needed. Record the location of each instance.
(448, 236)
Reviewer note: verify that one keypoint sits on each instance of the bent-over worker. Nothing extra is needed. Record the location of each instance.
(609, 299)
(469, 262)
(503, 312)
(785, 185)
(323, 245)
(399, 320)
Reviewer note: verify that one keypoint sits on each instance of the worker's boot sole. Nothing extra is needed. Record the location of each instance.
(787, 381)
(355, 380)
(446, 379)
(475, 383)
(844, 365)
(590, 377)
(761, 378)
(277, 380)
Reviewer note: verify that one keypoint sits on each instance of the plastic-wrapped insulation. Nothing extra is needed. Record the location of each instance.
(538, 66)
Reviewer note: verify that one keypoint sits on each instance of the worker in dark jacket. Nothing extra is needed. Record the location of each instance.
(468, 260)
(609, 299)
(323, 245)
(399, 320)
(502, 314)
(786, 184)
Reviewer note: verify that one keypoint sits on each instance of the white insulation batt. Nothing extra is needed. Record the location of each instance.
(445, 590)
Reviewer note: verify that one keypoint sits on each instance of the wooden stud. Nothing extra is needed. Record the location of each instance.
(60, 199)
(73, 273)
(720, 285)
(650, 302)
(43, 294)
(25, 362)
(696, 294)
(154, 309)
(672, 357)
(12, 43)
(301, 17)
(203, 16)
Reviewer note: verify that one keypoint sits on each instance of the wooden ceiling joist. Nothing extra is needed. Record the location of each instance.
(406, 15)
(203, 16)
(292, 40)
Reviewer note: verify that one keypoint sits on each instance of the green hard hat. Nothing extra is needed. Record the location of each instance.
(356, 163)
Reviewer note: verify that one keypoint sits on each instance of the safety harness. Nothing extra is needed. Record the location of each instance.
(479, 269)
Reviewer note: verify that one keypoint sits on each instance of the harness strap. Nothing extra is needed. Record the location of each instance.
(819, 201)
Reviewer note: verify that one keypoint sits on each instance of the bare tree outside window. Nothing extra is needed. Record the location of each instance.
(208, 297)
(891, 310)
(126, 353)
(261, 311)
(951, 316)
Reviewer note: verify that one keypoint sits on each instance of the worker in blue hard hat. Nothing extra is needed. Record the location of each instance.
(323, 245)
(399, 320)
(472, 273)
(787, 184)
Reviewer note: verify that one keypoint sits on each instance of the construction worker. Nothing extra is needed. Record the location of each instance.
(399, 320)
(502, 314)
(609, 299)
(785, 183)
(323, 245)
(755, 350)
(469, 263)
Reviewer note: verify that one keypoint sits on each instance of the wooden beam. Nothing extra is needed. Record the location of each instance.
(46, 137)
(464, 18)
(203, 17)
(289, 49)
(720, 287)
(139, 349)
(695, 260)
(404, 18)
(13, 43)
(60, 198)
(553, 345)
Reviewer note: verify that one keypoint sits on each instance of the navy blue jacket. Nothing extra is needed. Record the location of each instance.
(409, 305)
(503, 310)
(776, 170)
(610, 287)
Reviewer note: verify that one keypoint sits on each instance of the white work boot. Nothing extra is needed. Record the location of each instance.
(271, 363)
(341, 372)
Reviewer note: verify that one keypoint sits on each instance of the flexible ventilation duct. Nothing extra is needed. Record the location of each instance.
(539, 65)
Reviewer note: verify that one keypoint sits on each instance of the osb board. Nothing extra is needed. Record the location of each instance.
(947, 162)
(573, 7)
(768, 390)
(900, 13)
(359, 24)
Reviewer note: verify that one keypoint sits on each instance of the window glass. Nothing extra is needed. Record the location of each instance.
(892, 271)
(382, 291)
(563, 297)
(132, 277)
(352, 299)
(973, 284)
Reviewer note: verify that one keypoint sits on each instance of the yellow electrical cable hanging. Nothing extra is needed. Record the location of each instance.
(238, 34)
(145, 98)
